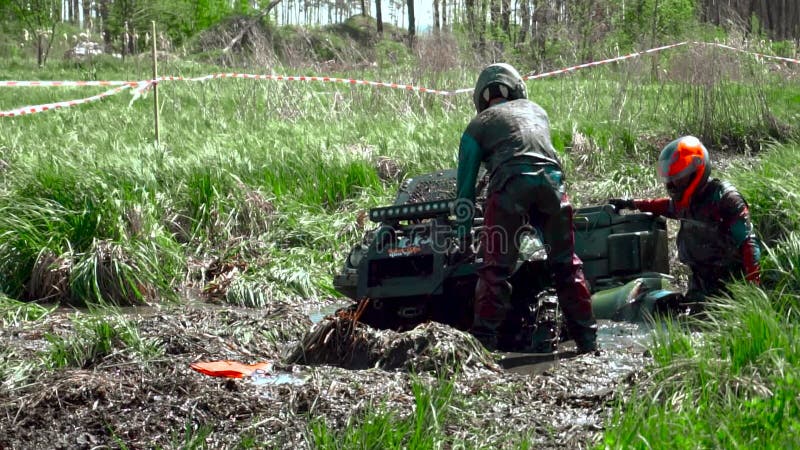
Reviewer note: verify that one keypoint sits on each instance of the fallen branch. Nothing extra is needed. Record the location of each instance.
(250, 24)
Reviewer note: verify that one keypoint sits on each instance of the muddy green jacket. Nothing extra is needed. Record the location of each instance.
(510, 138)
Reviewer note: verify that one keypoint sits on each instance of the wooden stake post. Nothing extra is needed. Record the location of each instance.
(155, 84)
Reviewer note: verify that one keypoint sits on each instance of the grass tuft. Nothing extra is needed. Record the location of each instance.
(378, 427)
(96, 338)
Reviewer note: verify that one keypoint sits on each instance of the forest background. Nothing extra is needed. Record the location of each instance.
(534, 30)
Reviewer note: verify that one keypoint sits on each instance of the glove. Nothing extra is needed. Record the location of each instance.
(754, 277)
(461, 249)
(621, 203)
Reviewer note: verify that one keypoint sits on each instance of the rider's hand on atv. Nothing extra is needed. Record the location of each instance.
(462, 248)
(621, 203)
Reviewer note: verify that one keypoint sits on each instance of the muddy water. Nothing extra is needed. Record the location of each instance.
(556, 401)
(316, 316)
(617, 340)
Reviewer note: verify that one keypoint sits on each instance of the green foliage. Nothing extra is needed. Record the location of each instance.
(131, 273)
(379, 427)
(735, 387)
(96, 338)
(194, 436)
(277, 172)
(781, 267)
(14, 312)
(359, 28)
(315, 44)
(390, 53)
(772, 190)
(208, 13)
(650, 22)
(57, 217)
(15, 369)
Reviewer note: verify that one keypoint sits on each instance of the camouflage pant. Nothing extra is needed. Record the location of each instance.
(534, 202)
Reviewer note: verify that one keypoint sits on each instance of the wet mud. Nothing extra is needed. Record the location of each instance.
(121, 400)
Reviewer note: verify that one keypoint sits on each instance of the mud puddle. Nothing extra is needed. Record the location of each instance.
(121, 397)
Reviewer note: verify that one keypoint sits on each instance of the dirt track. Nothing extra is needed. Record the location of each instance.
(117, 401)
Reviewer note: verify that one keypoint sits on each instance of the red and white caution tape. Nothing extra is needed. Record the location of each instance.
(605, 61)
(12, 83)
(351, 81)
(138, 87)
(757, 55)
(50, 106)
(141, 86)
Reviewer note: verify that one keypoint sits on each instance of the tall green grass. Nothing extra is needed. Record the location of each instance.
(772, 190)
(733, 380)
(275, 172)
(14, 313)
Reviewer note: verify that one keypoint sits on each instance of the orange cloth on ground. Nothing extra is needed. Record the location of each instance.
(229, 369)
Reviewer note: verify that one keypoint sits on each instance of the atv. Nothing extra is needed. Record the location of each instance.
(410, 269)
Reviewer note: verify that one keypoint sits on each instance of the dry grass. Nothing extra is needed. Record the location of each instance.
(49, 280)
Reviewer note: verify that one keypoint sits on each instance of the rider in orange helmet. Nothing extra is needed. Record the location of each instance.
(716, 239)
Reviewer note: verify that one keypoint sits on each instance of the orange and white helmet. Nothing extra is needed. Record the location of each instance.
(684, 166)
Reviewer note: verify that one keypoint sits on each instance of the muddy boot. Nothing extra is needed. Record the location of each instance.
(584, 333)
(492, 303)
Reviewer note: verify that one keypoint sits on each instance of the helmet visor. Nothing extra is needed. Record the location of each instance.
(677, 168)
(676, 186)
(678, 181)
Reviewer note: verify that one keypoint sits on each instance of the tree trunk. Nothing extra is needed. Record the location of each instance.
(379, 16)
(774, 18)
(39, 49)
(125, 41)
(444, 14)
(470, 7)
(505, 20)
(436, 16)
(412, 29)
(482, 24)
(494, 13)
(87, 14)
(785, 22)
(103, 11)
(588, 30)
(538, 31)
(525, 20)
(654, 58)
(363, 8)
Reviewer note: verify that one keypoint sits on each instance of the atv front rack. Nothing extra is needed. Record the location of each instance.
(413, 211)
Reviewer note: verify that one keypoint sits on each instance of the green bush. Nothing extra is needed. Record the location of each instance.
(392, 53)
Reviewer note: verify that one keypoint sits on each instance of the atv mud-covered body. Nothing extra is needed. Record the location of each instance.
(410, 269)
